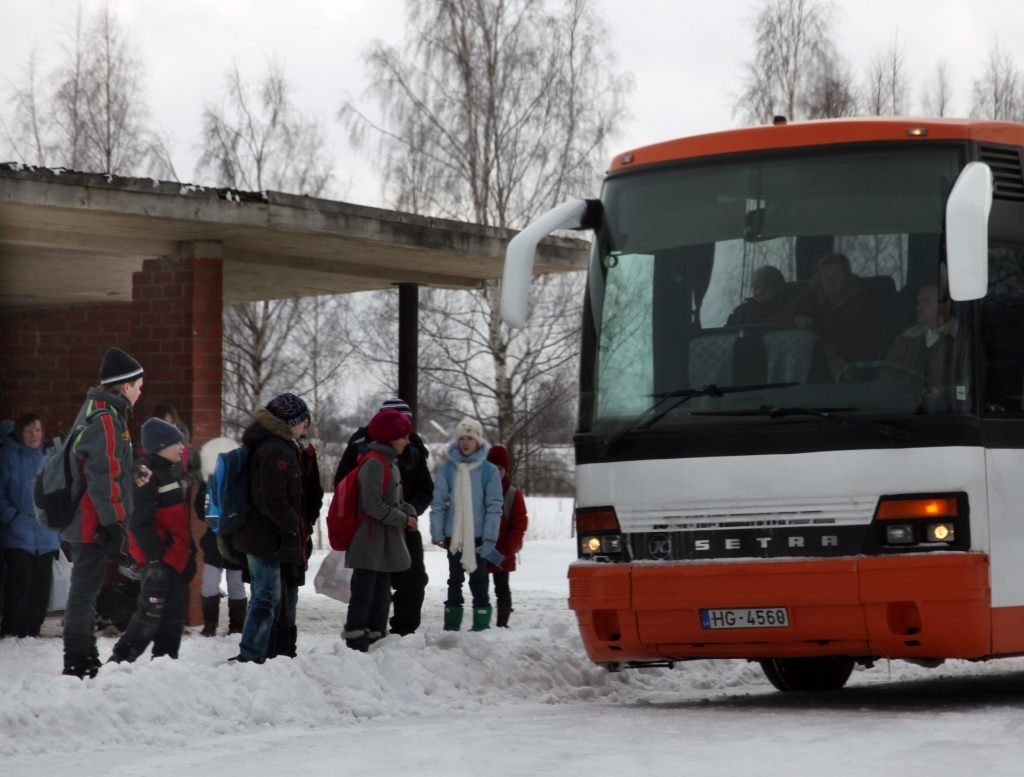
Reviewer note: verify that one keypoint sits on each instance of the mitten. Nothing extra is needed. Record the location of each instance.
(112, 542)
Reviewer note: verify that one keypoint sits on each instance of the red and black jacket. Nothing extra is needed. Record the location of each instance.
(159, 526)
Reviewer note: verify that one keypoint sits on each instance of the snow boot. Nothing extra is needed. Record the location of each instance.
(504, 610)
(358, 640)
(211, 615)
(236, 615)
(452, 617)
(82, 666)
(481, 618)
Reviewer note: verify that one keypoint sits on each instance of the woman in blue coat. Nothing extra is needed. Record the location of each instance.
(28, 549)
(465, 518)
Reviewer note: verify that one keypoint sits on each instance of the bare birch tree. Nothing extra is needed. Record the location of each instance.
(255, 139)
(792, 43)
(937, 94)
(491, 111)
(888, 88)
(89, 113)
(999, 93)
(831, 91)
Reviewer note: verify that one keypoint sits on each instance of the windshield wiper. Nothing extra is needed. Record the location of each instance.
(828, 413)
(648, 418)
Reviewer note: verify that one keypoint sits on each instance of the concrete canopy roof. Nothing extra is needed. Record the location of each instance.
(69, 237)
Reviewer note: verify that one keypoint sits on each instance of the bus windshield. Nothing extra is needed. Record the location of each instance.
(819, 274)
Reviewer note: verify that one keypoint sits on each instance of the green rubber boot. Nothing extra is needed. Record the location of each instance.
(452, 618)
(481, 618)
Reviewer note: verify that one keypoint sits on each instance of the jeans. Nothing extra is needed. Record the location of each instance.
(478, 582)
(259, 620)
(409, 588)
(284, 634)
(159, 618)
(368, 603)
(87, 573)
(501, 590)
(27, 592)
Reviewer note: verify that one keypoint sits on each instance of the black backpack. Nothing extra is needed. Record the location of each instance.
(51, 492)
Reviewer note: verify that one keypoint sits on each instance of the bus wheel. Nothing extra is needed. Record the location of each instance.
(827, 673)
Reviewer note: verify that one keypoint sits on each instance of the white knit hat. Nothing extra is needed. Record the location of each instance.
(470, 427)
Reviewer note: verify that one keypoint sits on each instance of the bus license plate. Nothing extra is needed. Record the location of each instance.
(745, 618)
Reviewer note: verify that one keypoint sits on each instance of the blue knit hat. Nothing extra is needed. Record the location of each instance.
(289, 408)
(158, 434)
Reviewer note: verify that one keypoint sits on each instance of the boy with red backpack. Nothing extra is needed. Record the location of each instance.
(378, 546)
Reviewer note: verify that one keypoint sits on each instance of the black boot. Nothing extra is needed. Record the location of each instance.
(82, 666)
(236, 615)
(211, 615)
(504, 610)
(357, 640)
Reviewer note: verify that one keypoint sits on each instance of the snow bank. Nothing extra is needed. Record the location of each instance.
(169, 703)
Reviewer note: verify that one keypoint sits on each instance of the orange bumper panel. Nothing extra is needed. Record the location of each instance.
(934, 605)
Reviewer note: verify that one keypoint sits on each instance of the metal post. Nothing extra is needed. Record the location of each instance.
(408, 343)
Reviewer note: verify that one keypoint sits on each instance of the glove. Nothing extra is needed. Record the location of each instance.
(489, 552)
(112, 542)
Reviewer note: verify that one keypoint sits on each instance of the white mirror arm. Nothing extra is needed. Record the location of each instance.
(519, 256)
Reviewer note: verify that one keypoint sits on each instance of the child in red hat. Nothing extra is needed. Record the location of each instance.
(510, 537)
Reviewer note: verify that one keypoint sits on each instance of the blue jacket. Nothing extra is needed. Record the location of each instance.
(18, 527)
(487, 497)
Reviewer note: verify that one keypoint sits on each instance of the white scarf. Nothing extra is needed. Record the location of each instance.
(463, 531)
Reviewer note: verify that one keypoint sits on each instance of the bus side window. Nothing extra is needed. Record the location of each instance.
(1002, 335)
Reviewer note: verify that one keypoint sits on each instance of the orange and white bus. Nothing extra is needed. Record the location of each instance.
(801, 412)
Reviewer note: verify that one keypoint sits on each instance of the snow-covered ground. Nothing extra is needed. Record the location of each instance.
(520, 702)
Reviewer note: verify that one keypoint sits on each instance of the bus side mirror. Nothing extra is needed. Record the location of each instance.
(967, 211)
(515, 282)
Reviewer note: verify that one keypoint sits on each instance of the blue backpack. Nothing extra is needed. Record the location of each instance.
(228, 492)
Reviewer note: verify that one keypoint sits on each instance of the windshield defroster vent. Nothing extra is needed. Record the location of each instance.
(1006, 169)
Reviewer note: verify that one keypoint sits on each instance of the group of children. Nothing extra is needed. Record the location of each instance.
(476, 515)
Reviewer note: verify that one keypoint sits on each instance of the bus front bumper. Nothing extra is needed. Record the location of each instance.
(934, 605)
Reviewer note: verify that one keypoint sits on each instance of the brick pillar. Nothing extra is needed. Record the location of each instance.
(176, 337)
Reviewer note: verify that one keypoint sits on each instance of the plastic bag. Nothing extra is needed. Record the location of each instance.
(333, 579)
(61, 583)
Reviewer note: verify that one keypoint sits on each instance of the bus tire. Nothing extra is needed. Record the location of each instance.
(825, 673)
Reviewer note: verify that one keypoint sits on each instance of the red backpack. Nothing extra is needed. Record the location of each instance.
(342, 518)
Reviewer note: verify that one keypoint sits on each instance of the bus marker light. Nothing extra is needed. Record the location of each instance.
(944, 507)
(899, 534)
(917, 132)
(940, 532)
(597, 520)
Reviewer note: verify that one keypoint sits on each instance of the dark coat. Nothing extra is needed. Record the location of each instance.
(104, 472)
(417, 485)
(159, 528)
(273, 530)
(379, 542)
(851, 325)
(751, 312)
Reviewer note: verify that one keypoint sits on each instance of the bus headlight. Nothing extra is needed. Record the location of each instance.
(899, 534)
(592, 544)
(611, 544)
(602, 545)
(940, 532)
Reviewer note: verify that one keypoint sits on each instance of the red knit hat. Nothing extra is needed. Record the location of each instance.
(498, 456)
(389, 425)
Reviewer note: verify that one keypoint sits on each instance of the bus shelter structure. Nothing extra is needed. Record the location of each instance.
(92, 261)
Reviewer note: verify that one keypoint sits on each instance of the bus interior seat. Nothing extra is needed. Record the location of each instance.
(881, 289)
(711, 360)
(790, 354)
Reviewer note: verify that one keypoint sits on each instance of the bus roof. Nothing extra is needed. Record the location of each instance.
(820, 133)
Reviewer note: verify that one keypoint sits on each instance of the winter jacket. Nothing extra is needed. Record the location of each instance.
(18, 527)
(379, 542)
(513, 527)
(944, 362)
(312, 491)
(159, 529)
(417, 485)
(487, 499)
(273, 530)
(104, 472)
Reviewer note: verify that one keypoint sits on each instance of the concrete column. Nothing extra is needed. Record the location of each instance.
(177, 335)
(408, 344)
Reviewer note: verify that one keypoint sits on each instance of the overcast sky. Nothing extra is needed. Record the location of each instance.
(686, 55)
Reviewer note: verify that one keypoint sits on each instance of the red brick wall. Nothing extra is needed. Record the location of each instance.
(176, 336)
(49, 358)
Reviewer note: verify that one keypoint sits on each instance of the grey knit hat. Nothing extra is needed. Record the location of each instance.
(157, 434)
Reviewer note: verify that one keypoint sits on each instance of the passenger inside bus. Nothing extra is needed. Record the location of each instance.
(767, 299)
(935, 347)
(837, 306)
